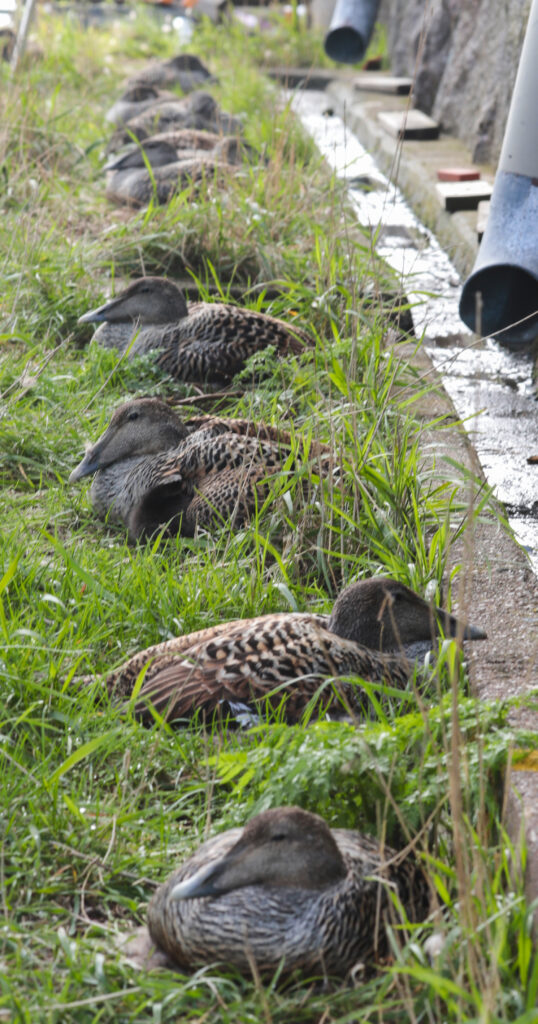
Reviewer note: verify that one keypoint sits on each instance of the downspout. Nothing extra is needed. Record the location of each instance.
(501, 295)
(350, 30)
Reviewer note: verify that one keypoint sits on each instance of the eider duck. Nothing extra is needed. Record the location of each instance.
(205, 341)
(151, 469)
(198, 110)
(288, 892)
(130, 182)
(138, 98)
(185, 70)
(281, 661)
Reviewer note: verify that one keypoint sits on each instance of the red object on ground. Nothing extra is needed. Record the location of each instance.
(458, 174)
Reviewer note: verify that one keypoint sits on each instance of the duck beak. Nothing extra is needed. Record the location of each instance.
(198, 885)
(474, 633)
(90, 464)
(95, 316)
(115, 163)
(456, 628)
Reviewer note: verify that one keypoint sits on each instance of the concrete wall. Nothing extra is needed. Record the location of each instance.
(465, 54)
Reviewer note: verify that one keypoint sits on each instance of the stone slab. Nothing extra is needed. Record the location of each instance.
(408, 124)
(463, 195)
(373, 82)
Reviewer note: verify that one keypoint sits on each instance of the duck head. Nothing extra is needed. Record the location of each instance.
(148, 300)
(282, 847)
(187, 62)
(203, 104)
(144, 426)
(386, 615)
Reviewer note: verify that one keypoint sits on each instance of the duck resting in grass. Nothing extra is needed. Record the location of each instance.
(151, 469)
(156, 169)
(199, 111)
(185, 70)
(205, 341)
(288, 892)
(280, 662)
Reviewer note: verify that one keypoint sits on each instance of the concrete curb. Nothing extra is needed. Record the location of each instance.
(498, 589)
(413, 166)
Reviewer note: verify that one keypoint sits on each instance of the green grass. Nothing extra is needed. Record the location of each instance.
(96, 810)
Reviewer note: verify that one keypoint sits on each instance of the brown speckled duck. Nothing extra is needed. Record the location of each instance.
(280, 661)
(286, 890)
(153, 469)
(185, 70)
(130, 183)
(138, 98)
(199, 111)
(207, 341)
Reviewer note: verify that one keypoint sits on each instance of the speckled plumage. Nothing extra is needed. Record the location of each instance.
(173, 168)
(286, 890)
(153, 469)
(281, 661)
(185, 70)
(198, 110)
(205, 341)
(136, 187)
(137, 99)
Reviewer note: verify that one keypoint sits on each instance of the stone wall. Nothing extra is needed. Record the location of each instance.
(465, 54)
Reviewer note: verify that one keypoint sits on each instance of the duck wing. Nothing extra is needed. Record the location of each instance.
(137, 187)
(278, 663)
(206, 478)
(215, 339)
(121, 681)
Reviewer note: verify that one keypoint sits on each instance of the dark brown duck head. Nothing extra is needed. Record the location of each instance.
(284, 847)
(148, 300)
(386, 615)
(185, 69)
(187, 62)
(143, 426)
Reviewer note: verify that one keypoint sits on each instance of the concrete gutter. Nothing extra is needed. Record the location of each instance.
(497, 589)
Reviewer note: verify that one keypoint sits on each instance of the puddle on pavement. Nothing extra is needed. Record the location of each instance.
(490, 387)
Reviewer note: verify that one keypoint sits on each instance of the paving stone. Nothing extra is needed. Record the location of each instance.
(463, 195)
(370, 82)
(409, 124)
(458, 174)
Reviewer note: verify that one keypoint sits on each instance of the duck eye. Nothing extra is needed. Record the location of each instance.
(133, 415)
(278, 838)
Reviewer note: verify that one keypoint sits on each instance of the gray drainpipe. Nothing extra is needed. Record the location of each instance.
(350, 30)
(503, 287)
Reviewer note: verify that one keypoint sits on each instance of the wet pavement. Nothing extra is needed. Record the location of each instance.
(491, 391)
(491, 387)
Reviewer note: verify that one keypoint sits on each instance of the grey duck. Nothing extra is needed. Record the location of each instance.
(154, 469)
(286, 890)
(199, 111)
(281, 660)
(207, 341)
(136, 99)
(129, 181)
(185, 70)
